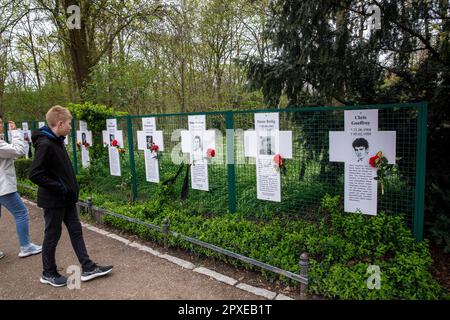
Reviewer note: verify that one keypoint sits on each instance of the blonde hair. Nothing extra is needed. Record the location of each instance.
(56, 114)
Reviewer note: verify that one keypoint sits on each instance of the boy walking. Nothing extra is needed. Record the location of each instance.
(58, 191)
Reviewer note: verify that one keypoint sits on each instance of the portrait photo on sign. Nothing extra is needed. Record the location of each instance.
(361, 150)
(111, 139)
(83, 138)
(149, 142)
(197, 149)
(266, 145)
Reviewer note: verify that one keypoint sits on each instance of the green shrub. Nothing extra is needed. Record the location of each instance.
(22, 168)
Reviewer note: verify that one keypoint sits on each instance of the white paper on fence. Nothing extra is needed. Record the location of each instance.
(385, 141)
(199, 177)
(185, 141)
(268, 182)
(285, 144)
(26, 134)
(85, 159)
(111, 125)
(83, 125)
(267, 121)
(157, 139)
(367, 118)
(80, 137)
(25, 126)
(208, 140)
(41, 124)
(114, 161)
(360, 189)
(148, 125)
(151, 167)
(340, 149)
(250, 143)
(341, 146)
(197, 123)
(117, 135)
(27, 143)
(283, 147)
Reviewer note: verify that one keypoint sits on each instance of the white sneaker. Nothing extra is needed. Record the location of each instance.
(29, 250)
(1, 254)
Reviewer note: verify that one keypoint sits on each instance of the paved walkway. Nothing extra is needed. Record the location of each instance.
(138, 273)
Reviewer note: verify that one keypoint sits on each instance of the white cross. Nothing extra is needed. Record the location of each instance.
(84, 136)
(109, 135)
(26, 137)
(360, 141)
(146, 138)
(196, 141)
(264, 143)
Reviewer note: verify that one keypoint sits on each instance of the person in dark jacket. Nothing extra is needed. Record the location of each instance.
(58, 191)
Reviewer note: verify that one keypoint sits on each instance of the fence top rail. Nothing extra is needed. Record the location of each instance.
(408, 105)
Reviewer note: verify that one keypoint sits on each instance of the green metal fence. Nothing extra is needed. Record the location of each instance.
(232, 176)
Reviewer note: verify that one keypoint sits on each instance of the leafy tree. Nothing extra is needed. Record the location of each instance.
(322, 54)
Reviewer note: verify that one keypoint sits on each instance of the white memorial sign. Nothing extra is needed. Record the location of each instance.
(147, 138)
(84, 140)
(41, 124)
(26, 137)
(196, 142)
(360, 141)
(113, 138)
(264, 144)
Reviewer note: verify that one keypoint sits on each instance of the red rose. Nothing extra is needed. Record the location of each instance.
(155, 148)
(114, 143)
(373, 161)
(278, 159)
(210, 153)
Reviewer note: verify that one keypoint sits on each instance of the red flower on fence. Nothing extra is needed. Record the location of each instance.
(155, 147)
(375, 160)
(114, 143)
(210, 153)
(155, 151)
(380, 163)
(280, 164)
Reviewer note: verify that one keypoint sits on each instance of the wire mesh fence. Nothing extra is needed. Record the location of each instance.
(232, 176)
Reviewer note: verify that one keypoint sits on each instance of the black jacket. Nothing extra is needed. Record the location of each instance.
(52, 171)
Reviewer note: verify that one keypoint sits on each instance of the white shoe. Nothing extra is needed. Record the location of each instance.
(31, 249)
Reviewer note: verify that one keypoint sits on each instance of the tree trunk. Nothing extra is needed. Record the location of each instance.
(79, 50)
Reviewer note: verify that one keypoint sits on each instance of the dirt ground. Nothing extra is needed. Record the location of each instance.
(136, 274)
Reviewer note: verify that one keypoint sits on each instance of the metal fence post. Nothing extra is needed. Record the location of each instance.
(230, 162)
(74, 148)
(89, 206)
(304, 265)
(421, 150)
(134, 190)
(165, 230)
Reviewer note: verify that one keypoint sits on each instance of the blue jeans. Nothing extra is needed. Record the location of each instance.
(14, 204)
